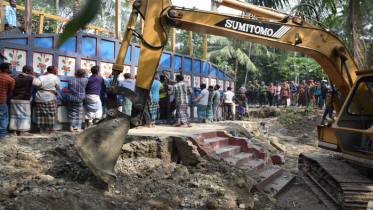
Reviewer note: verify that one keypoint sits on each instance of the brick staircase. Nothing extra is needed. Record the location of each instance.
(242, 153)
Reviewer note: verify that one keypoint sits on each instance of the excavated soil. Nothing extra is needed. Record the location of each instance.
(47, 173)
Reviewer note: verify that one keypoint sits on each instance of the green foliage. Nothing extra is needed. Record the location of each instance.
(86, 14)
(289, 115)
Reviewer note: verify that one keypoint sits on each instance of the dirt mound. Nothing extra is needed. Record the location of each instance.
(47, 173)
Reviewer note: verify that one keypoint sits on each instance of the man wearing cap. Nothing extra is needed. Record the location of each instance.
(45, 99)
(75, 97)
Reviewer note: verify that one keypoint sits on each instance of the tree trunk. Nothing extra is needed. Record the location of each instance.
(247, 71)
(76, 7)
(235, 67)
(57, 6)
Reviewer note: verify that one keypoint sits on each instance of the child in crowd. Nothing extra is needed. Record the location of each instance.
(240, 111)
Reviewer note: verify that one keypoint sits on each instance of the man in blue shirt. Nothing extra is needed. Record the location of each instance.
(129, 84)
(154, 100)
(10, 15)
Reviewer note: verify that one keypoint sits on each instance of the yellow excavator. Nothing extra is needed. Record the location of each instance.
(350, 134)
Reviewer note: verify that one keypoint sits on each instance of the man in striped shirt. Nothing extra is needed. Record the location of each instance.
(10, 15)
(181, 91)
(75, 96)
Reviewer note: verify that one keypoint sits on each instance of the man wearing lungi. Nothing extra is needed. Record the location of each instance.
(129, 84)
(93, 105)
(45, 99)
(20, 108)
(75, 97)
(6, 90)
(216, 103)
(181, 91)
(202, 100)
(209, 113)
(154, 100)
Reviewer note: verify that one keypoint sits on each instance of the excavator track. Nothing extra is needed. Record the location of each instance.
(342, 183)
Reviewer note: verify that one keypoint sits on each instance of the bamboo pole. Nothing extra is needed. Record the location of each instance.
(41, 24)
(173, 38)
(204, 46)
(190, 43)
(118, 19)
(28, 17)
(55, 17)
(2, 28)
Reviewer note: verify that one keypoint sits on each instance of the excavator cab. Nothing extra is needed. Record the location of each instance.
(354, 125)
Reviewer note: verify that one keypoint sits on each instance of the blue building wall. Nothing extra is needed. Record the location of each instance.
(86, 50)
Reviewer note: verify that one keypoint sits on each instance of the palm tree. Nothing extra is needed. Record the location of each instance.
(237, 50)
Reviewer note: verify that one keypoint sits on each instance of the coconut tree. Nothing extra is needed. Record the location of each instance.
(238, 50)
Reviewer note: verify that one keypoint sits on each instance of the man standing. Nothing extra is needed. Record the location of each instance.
(284, 95)
(271, 93)
(7, 84)
(209, 114)
(302, 93)
(242, 89)
(45, 99)
(163, 101)
(228, 99)
(311, 93)
(129, 84)
(103, 93)
(153, 105)
(263, 91)
(278, 92)
(255, 92)
(20, 109)
(10, 15)
(317, 94)
(328, 106)
(293, 93)
(324, 90)
(181, 91)
(216, 103)
(249, 92)
(75, 97)
(93, 105)
(202, 100)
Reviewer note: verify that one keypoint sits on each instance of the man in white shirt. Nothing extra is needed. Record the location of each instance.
(202, 100)
(228, 99)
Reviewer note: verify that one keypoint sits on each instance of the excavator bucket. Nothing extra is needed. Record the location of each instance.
(100, 145)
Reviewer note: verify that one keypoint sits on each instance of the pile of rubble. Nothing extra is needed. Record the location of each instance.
(47, 173)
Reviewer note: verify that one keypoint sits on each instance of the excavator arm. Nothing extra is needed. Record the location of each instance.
(100, 145)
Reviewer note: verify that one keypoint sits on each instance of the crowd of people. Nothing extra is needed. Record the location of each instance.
(168, 99)
(86, 100)
(317, 94)
(303, 94)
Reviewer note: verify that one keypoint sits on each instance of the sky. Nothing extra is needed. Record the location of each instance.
(206, 5)
(203, 5)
